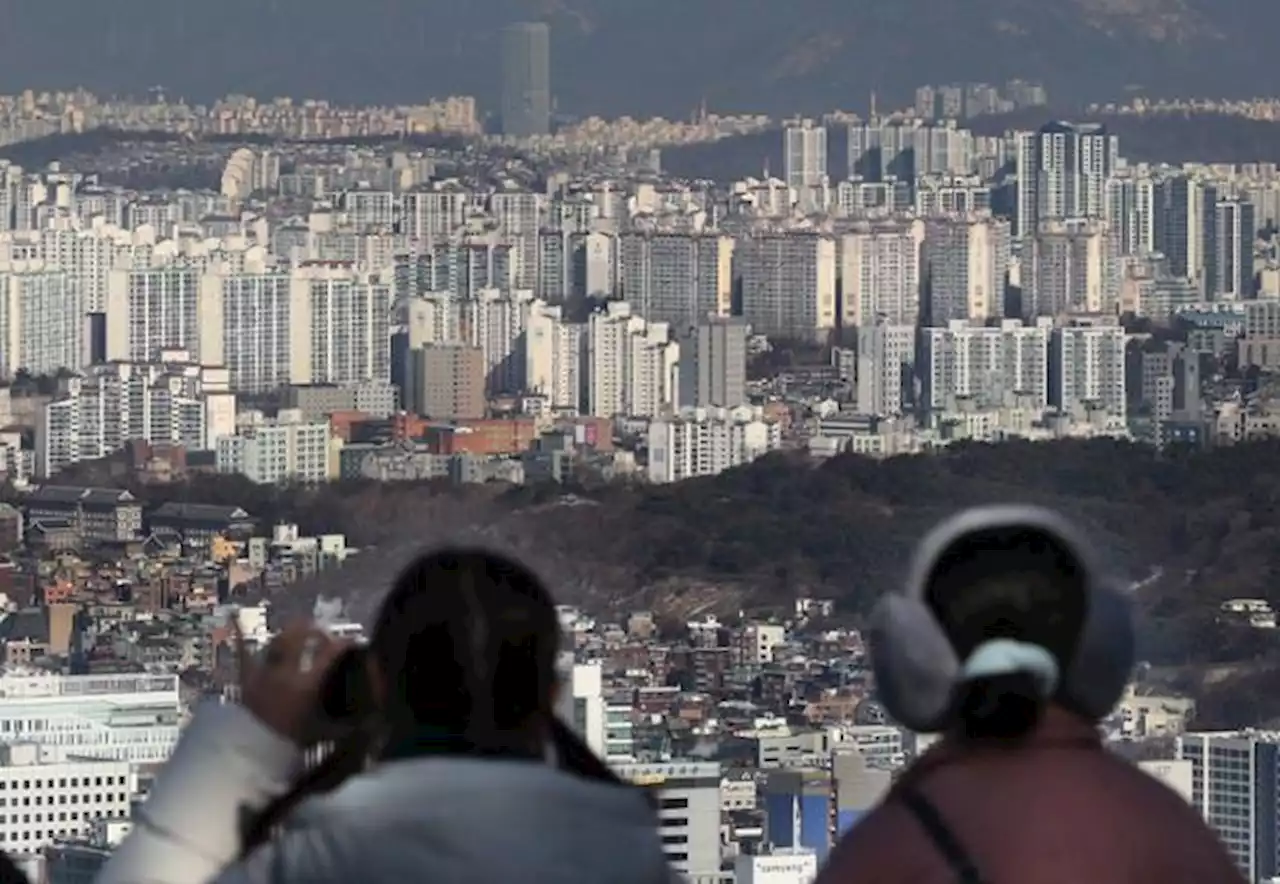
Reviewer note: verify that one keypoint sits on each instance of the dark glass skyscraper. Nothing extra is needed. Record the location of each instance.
(526, 79)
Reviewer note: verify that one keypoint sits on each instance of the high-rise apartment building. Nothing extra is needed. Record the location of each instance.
(1062, 174)
(447, 381)
(705, 441)
(1180, 224)
(463, 267)
(886, 354)
(1087, 369)
(713, 362)
(91, 251)
(1235, 785)
(880, 273)
(287, 449)
(572, 262)
(172, 400)
(434, 211)
(789, 284)
(162, 308)
(496, 321)
(526, 79)
(1131, 212)
(349, 324)
(631, 364)
(804, 156)
(1230, 259)
(42, 319)
(677, 278)
(964, 268)
(988, 365)
(943, 195)
(907, 149)
(318, 323)
(269, 335)
(554, 358)
(1068, 271)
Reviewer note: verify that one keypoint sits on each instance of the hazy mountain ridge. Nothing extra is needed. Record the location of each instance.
(624, 56)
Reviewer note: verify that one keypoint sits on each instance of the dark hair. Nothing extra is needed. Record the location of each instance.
(9, 871)
(466, 641)
(1020, 583)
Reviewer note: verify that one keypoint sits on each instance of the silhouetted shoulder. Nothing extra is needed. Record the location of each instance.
(1169, 819)
(884, 847)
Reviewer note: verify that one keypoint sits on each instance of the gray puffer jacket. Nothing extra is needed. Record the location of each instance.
(433, 820)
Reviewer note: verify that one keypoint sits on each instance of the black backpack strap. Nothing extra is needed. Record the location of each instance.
(941, 835)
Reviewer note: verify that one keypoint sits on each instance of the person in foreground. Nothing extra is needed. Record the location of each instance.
(444, 733)
(1006, 641)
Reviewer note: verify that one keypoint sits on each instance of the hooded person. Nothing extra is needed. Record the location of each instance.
(447, 760)
(1008, 642)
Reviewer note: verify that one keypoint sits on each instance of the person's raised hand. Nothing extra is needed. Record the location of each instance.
(281, 687)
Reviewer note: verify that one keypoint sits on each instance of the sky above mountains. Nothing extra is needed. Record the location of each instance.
(658, 56)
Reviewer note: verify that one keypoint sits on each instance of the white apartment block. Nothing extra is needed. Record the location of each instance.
(432, 319)
(287, 449)
(631, 364)
(949, 195)
(161, 308)
(434, 211)
(880, 273)
(122, 717)
(91, 251)
(463, 266)
(965, 266)
(554, 358)
(789, 284)
(986, 364)
(908, 148)
(495, 321)
(171, 400)
(349, 324)
(706, 441)
(42, 319)
(886, 355)
(41, 802)
(368, 208)
(518, 215)
(374, 250)
(318, 323)
(676, 278)
(804, 157)
(1131, 211)
(266, 331)
(572, 262)
(1089, 369)
(581, 704)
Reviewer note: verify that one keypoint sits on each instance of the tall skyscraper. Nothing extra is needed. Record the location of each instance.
(526, 79)
(1234, 787)
(1229, 264)
(804, 157)
(1062, 173)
